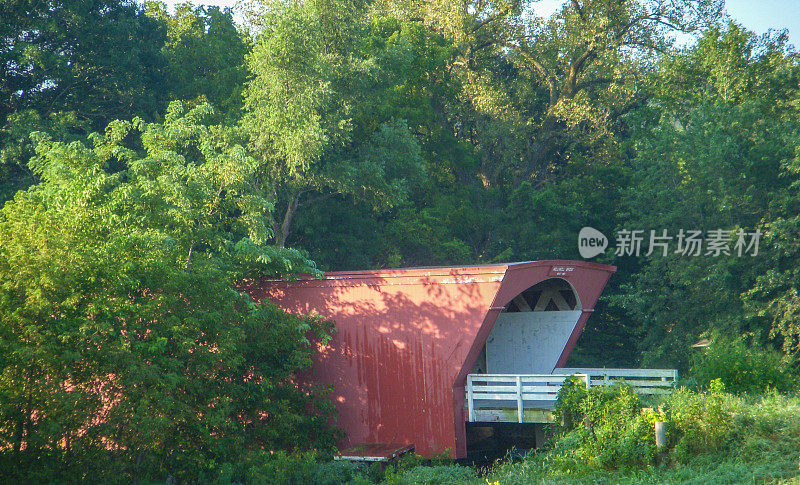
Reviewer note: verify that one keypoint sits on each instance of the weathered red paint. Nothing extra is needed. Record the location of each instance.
(407, 338)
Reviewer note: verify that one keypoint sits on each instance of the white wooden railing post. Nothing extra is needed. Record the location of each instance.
(519, 399)
(470, 400)
(588, 381)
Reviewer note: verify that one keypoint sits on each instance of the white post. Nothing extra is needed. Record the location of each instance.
(519, 399)
(661, 435)
(470, 403)
(588, 381)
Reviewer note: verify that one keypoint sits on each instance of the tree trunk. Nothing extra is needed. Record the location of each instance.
(23, 428)
(282, 232)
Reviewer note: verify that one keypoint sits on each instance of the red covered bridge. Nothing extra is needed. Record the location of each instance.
(407, 340)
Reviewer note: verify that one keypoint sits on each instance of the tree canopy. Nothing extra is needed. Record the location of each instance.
(122, 326)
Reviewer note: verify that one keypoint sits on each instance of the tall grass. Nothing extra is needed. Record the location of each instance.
(714, 437)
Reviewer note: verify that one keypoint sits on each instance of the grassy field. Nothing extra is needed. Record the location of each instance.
(713, 437)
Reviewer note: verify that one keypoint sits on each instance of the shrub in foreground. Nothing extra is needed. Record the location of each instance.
(605, 428)
(741, 368)
(713, 437)
(710, 434)
(433, 475)
(699, 422)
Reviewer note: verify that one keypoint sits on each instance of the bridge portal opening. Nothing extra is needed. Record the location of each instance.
(527, 338)
(530, 334)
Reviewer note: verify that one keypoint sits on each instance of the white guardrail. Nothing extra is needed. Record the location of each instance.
(494, 395)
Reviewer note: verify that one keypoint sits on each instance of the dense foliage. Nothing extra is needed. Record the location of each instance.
(712, 436)
(742, 368)
(368, 134)
(127, 352)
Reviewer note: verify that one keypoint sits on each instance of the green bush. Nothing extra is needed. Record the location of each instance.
(608, 429)
(283, 468)
(136, 358)
(339, 472)
(620, 437)
(605, 429)
(279, 468)
(699, 422)
(413, 460)
(713, 437)
(433, 475)
(741, 368)
(568, 403)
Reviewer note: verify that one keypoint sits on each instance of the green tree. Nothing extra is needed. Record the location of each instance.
(539, 90)
(100, 58)
(710, 153)
(204, 54)
(526, 144)
(16, 146)
(774, 299)
(127, 352)
(70, 68)
(316, 109)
